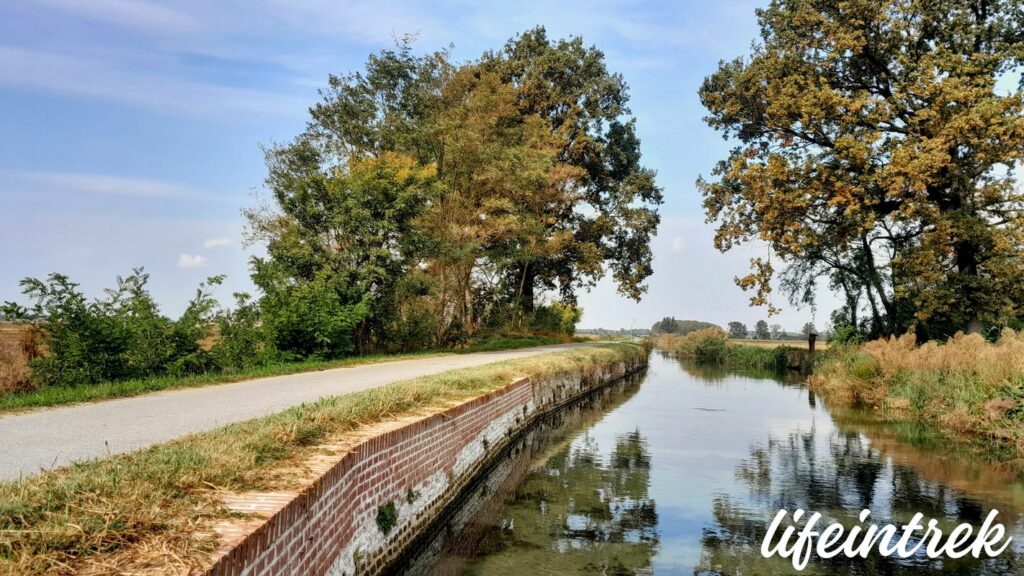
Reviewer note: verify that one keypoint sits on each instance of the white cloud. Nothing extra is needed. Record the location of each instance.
(216, 242)
(678, 244)
(130, 13)
(97, 78)
(191, 261)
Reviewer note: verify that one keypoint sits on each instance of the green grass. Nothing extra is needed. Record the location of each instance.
(152, 505)
(56, 395)
(757, 357)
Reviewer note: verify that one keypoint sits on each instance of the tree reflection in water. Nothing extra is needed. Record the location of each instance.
(838, 475)
(591, 507)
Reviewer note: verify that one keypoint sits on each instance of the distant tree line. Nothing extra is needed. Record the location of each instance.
(669, 325)
(762, 331)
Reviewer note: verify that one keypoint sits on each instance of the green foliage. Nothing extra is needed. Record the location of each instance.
(669, 325)
(443, 197)
(312, 318)
(555, 318)
(87, 342)
(759, 357)
(123, 336)
(708, 346)
(761, 331)
(738, 330)
(387, 517)
(243, 340)
(340, 241)
(845, 334)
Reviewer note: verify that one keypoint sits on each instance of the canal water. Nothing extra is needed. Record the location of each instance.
(680, 471)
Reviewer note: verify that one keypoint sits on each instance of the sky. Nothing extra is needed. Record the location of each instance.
(131, 130)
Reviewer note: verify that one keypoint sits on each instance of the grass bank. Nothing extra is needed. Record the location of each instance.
(713, 346)
(149, 509)
(966, 387)
(58, 395)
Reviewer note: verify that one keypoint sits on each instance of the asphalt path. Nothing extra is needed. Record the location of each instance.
(50, 438)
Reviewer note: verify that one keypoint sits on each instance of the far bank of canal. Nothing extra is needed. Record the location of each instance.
(680, 471)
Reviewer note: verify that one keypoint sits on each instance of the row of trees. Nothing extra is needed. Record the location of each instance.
(669, 325)
(762, 331)
(876, 148)
(428, 201)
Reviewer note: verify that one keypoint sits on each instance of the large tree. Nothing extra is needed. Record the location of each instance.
(874, 147)
(614, 212)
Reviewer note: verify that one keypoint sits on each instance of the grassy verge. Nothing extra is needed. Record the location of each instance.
(150, 506)
(713, 346)
(966, 388)
(55, 396)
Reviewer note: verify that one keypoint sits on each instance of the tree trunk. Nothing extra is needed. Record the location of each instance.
(526, 288)
(967, 268)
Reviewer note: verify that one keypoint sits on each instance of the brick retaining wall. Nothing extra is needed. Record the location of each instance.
(367, 507)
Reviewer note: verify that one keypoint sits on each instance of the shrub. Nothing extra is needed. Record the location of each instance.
(119, 337)
(708, 346)
(845, 334)
(555, 318)
(242, 341)
(311, 318)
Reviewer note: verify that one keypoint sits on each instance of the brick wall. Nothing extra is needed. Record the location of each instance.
(336, 525)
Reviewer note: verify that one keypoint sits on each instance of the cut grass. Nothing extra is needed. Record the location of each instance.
(56, 395)
(162, 498)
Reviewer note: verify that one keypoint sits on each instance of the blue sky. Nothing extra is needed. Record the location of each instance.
(130, 130)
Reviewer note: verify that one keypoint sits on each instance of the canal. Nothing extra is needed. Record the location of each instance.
(681, 469)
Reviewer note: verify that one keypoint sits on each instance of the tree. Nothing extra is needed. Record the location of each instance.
(339, 240)
(874, 149)
(737, 330)
(776, 331)
(761, 330)
(808, 329)
(667, 325)
(614, 212)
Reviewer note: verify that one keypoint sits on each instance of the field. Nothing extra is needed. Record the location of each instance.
(13, 358)
(799, 344)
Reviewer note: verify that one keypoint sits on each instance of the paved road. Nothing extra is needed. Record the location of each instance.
(56, 437)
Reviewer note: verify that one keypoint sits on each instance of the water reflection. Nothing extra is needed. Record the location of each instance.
(585, 510)
(684, 475)
(837, 473)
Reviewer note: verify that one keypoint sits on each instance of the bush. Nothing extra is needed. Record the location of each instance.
(555, 318)
(846, 334)
(707, 346)
(242, 341)
(310, 319)
(122, 336)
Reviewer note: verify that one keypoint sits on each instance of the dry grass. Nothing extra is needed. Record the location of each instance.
(965, 386)
(17, 348)
(123, 512)
(798, 344)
